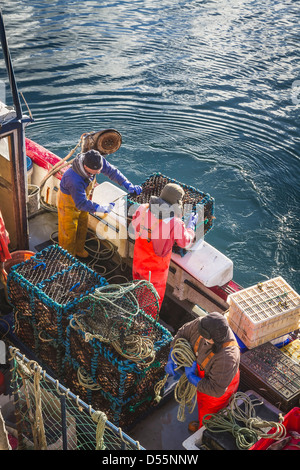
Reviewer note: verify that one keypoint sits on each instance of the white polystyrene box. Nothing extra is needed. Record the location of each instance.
(206, 264)
(106, 193)
(114, 224)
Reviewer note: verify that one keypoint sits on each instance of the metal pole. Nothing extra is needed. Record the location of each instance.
(64, 421)
(17, 151)
(9, 67)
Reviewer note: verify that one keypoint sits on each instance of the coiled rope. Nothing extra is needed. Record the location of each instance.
(31, 369)
(137, 348)
(118, 291)
(55, 169)
(185, 393)
(98, 416)
(86, 380)
(252, 429)
(33, 400)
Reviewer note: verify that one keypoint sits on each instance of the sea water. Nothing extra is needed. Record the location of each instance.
(205, 92)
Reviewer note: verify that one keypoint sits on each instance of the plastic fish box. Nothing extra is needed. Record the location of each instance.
(264, 312)
(273, 374)
(292, 350)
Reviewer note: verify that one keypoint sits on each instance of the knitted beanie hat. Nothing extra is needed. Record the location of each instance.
(93, 160)
(214, 326)
(172, 193)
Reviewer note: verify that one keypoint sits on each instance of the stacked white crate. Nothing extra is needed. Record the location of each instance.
(264, 312)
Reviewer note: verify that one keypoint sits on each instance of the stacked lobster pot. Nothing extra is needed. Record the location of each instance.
(193, 200)
(116, 351)
(43, 292)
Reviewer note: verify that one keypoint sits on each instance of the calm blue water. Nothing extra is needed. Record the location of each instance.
(202, 91)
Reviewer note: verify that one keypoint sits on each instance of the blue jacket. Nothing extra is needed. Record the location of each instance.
(75, 185)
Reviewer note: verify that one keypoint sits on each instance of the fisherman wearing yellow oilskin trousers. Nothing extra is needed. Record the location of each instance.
(73, 201)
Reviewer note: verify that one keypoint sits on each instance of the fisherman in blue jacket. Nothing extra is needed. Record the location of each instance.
(73, 200)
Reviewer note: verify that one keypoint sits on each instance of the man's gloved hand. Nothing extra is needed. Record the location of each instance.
(190, 373)
(170, 367)
(192, 222)
(105, 209)
(131, 188)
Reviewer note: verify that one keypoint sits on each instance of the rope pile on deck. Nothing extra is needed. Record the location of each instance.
(244, 424)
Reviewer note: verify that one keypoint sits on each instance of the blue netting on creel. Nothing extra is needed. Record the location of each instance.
(43, 291)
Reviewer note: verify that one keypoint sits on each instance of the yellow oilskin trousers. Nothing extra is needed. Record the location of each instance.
(72, 224)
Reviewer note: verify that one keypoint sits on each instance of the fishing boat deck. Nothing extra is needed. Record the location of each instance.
(159, 429)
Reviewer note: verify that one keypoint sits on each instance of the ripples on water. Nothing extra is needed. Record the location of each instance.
(200, 90)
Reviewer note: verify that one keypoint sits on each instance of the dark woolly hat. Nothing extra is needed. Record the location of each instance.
(93, 160)
(214, 326)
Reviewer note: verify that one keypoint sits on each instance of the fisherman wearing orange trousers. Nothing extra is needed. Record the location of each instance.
(157, 226)
(215, 372)
(74, 204)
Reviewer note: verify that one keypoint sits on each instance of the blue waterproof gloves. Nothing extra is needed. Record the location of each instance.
(170, 367)
(192, 222)
(190, 373)
(131, 188)
(105, 209)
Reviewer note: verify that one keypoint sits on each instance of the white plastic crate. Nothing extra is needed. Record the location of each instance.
(264, 312)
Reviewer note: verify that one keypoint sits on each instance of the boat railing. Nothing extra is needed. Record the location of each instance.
(50, 417)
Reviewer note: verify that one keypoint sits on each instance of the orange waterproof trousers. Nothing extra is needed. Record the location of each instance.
(147, 264)
(210, 405)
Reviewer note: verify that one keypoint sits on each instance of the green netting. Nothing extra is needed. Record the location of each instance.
(49, 416)
(113, 312)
